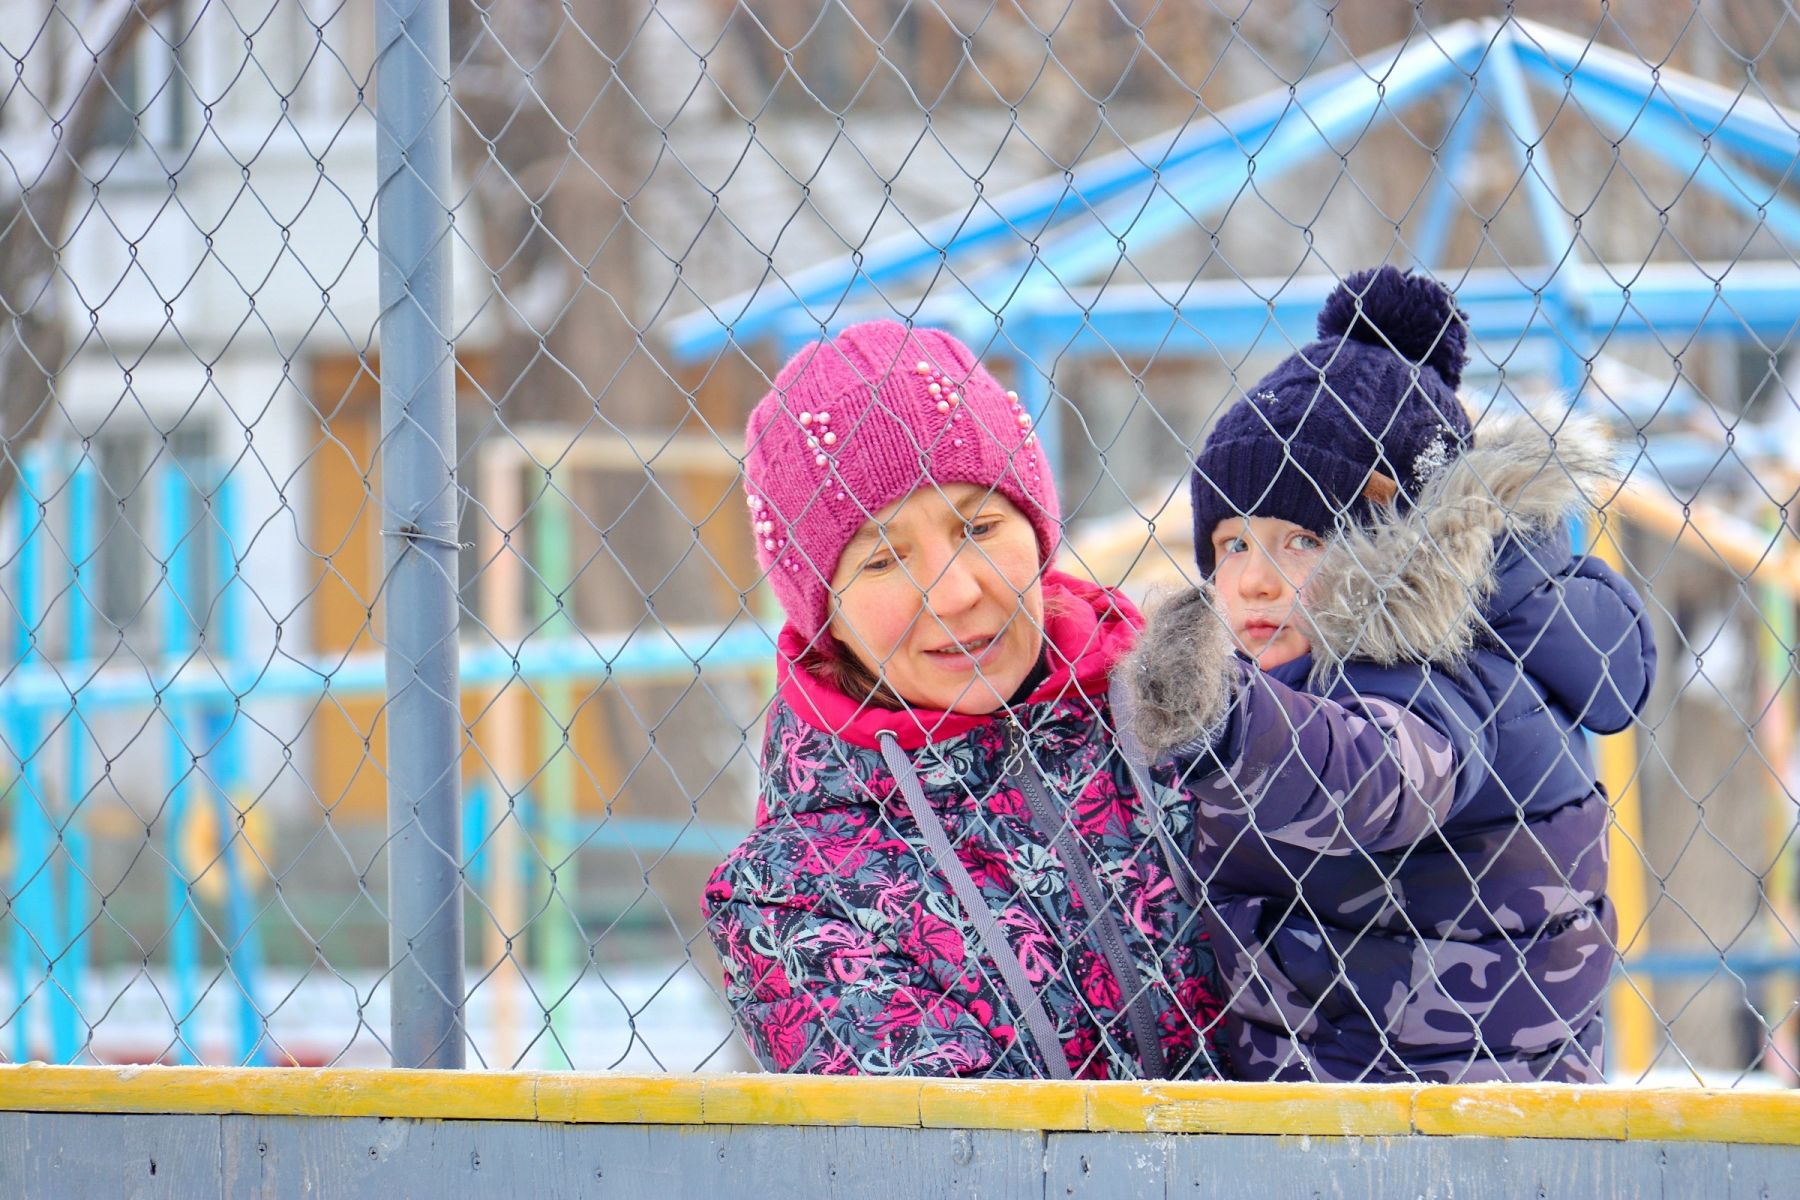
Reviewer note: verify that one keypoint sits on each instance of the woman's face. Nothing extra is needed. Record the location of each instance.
(1263, 562)
(939, 594)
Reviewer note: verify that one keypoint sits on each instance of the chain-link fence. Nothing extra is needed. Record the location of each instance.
(390, 664)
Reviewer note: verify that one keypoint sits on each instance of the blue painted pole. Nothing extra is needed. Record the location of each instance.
(243, 953)
(1670, 303)
(18, 956)
(1179, 197)
(178, 758)
(1121, 180)
(33, 893)
(1441, 206)
(474, 831)
(1741, 122)
(78, 643)
(1038, 396)
(1523, 135)
(1566, 297)
(419, 527)
(634, 655)
(1638, 123)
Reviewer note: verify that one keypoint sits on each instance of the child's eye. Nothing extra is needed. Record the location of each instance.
(878, 564)
(980, 527)
(1236, 545)
(1306, 541)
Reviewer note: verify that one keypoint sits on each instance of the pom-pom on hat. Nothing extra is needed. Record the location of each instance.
(1366, 414)
(854, 424)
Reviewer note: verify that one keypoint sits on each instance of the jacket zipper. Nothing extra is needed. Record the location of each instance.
(1105, 928)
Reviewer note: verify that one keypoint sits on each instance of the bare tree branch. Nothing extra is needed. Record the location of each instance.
(35, 220)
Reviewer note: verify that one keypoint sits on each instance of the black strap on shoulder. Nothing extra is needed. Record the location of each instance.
(1025, 999)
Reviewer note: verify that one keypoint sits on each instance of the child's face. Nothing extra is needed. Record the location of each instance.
(1263, 562)
(940, 595)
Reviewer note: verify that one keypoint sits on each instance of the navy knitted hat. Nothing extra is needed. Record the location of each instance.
(1376, 393)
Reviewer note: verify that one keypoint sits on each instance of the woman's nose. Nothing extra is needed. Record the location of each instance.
(955, 584)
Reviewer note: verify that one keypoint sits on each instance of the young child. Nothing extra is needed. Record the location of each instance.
(1379, 703)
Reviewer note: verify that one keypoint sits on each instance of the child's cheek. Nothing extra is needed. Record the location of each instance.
(1308, 576)
(1226, 599)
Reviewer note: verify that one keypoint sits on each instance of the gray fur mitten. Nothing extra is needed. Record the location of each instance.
(1181, 677)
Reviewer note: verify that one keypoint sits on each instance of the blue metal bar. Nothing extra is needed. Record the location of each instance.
(1745, 124)
(816, 296)
(178, 758)
(418, 512)
(1675, 964)
(43, 895)
(1683, 302)
(1555, 227)
(649, 835)
(1039, 398)
(1673, 303)
(20, 954)
(1434, 227)
(474, 833)
(77, 646)
(1184, 194)
(634, 656)
(1685, 149)
(243, 955)
(32, 902)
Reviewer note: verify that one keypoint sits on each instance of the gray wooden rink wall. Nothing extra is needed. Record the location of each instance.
(63, 1156)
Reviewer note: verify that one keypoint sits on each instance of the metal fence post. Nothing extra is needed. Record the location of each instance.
(418, 440)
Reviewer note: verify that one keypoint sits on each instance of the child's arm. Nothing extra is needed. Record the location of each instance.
(1332, 774)
(1329, 775)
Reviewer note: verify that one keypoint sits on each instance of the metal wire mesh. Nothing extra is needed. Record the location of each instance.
(1129, 210)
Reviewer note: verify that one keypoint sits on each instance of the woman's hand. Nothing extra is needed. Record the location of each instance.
(1181, 676)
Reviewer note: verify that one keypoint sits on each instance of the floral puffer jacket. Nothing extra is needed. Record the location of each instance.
(845, 948)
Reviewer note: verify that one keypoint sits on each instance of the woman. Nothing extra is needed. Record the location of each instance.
(951, 872)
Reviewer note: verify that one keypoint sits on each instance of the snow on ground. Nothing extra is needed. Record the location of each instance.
(648, 1017)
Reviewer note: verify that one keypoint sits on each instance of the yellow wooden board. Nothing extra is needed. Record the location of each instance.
(301, 1092)
(1543, 1110)
(809, 1100)
(1002, 1104)
(1766, 1118)
(617, 1100)
(1320, 1110)
(1339, 1110)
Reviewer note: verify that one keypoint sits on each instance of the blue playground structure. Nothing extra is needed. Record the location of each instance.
(1030, 273)
(1025, 275)
(201, 695)
(1059, 268)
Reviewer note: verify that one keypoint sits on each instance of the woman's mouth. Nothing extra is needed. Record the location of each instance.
(963, 653)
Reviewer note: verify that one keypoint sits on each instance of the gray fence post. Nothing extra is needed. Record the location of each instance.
(418, 459)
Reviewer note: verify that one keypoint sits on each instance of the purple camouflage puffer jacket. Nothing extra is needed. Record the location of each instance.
(1405, 861)
(845, 950)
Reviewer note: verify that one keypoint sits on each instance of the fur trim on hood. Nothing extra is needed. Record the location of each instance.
(1411, 587)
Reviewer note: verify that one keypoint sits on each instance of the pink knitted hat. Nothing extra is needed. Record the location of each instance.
(854, 424)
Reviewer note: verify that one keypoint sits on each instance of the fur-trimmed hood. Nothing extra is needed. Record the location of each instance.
(1428, 584)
